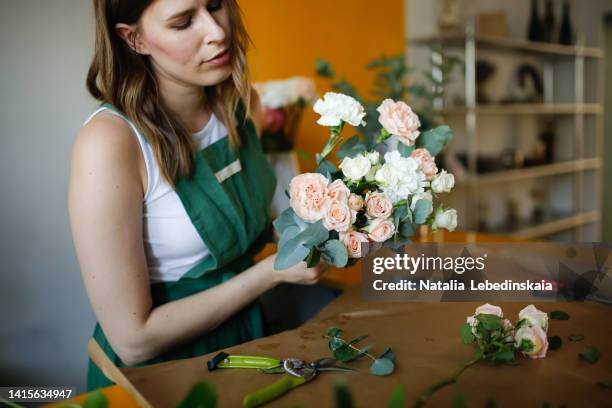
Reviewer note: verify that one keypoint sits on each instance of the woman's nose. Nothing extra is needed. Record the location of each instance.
(212, 30)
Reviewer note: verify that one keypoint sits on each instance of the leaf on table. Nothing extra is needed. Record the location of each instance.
(382, 366)
(559, 315)
(554, 343)
(467, 337)
(590, 355)
(201, 395)
(575, 337)
(388, 353)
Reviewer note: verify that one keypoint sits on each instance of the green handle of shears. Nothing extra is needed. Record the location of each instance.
(272, 391)
(249, 362)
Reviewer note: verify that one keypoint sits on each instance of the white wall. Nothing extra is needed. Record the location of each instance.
(44, 313)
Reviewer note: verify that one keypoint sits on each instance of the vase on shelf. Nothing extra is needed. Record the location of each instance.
(535, 31)
(550, 24)
(566, 33)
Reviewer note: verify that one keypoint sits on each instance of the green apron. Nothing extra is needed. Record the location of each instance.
(232, 218)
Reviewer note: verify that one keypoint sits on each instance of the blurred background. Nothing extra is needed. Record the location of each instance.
(523, 84)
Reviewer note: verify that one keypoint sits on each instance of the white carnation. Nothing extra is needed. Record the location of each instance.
(355, 168)
(336, 108)
(400, 176)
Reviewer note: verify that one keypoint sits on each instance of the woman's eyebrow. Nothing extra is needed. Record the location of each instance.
(180, 14)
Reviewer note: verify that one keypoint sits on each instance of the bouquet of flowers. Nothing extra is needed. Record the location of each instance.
(283, 103)
(371, 199)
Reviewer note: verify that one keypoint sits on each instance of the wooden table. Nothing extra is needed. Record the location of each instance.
(425, 338)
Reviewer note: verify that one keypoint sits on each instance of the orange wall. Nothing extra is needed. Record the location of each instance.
(289, 36)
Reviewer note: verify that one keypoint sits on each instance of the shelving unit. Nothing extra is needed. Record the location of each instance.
(470, 43)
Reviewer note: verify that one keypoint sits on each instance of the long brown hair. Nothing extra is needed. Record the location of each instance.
(124, 78)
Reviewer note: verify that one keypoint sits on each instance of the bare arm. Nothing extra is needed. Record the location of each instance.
(105, 204)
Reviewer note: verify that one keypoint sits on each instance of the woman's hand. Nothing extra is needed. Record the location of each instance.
(299, 274)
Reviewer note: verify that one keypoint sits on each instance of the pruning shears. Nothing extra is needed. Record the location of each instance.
(298, 372)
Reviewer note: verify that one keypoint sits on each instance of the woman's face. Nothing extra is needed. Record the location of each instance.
(188, 40)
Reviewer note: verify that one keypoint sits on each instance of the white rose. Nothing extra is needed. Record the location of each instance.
(355, 168)
(446, 219)
(532, 341)
(443, 182)
(373, 157)
(489, 309)
(336, 108)
(534, 317)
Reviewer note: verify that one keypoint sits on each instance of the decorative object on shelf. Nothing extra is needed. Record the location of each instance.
(535, 30)
(566, 32)
(484, 72)
(550, 23)
(283, 103)
(493, 24)
(545, 149)
(527, 85)
(450, 16)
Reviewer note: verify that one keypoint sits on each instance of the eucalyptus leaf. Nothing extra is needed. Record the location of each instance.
(351, 148)
(334, 332)
(96, 399)
(288, 234)
(398, 397)
(554, 343)
(334, 253)
(590, 355)
(435, 139)
(467, 337)
(575, 337)
(201, 395)
(326, 168)
(404, 151)
(289, 254)
(358, 340)
(335, 343)
(422, 209)
(345, 353)
(284, 220)
(504, 356)
(559, 315)
(407, 229)
(388, 353)
(399, 214)
(323, 68)
(382, 366)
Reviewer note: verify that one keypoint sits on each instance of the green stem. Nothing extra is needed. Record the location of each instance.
(384, 135)
(353, 347)
(420, 402)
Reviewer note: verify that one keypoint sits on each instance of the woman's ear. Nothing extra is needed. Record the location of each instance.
(131, 36)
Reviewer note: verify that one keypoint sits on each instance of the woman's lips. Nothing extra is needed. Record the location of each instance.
(219, 59)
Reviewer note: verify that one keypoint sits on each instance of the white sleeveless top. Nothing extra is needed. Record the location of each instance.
(172, 244)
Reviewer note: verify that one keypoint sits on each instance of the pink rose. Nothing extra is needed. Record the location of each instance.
(353, 241)
(399, 120)
(308, 196)
(427, 162)
(338, 216)
(273, 120)
(380, 230)
(378, 205)
(355, 201)
(338, 191)
(532, 341)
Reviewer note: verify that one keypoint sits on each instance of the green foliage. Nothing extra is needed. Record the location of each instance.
(201, 395)
(467, 337)
(334, 253)
(398, 397)
(297, 239)
(347, 351)
(590, 355)
(554, 343)
(96, 399)
(422, 209)
(559, 315)
(434, 140)
(575, 337)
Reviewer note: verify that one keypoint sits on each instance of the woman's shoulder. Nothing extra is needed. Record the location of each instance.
(107, 144)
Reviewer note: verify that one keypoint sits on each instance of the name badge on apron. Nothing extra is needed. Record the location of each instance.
(228, 171)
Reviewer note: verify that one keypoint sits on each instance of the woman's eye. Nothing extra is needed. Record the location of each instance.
(184, 24)
(214, 5)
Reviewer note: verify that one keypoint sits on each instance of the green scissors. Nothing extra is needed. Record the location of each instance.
(299, 372)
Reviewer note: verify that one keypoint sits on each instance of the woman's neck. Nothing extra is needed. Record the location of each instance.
(186, 101)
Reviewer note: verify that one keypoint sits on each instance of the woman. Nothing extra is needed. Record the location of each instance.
(169, 188)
